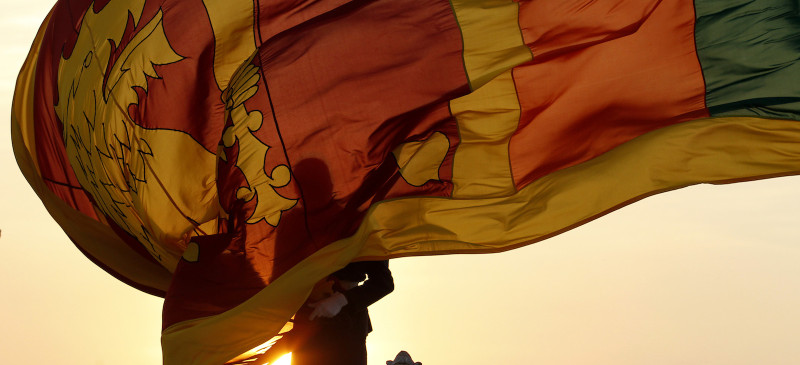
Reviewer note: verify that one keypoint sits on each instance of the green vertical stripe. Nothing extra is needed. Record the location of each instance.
(749, 51)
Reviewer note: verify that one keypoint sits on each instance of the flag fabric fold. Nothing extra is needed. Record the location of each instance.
(227, 155)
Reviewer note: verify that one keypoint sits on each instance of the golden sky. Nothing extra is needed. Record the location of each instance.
(703, 275)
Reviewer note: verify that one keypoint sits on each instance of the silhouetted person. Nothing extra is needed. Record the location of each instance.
(332, 328)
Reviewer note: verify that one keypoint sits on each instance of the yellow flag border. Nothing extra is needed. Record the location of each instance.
(95, 239)
(712, 150)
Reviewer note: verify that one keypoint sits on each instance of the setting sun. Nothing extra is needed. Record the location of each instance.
(283, 360)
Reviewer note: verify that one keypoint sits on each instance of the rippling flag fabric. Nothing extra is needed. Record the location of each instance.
(227, 155)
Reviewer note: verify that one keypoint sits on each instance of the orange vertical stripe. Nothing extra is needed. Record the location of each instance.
(603, 74)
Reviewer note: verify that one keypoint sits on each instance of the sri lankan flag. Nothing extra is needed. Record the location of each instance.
(228, 154)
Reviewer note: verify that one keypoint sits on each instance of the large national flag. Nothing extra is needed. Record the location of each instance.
(229, 154)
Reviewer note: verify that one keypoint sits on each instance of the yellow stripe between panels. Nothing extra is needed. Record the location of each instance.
(492, 38)
(490, 114)
(486, 120)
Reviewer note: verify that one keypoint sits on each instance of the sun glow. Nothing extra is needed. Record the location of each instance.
(283, 360)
